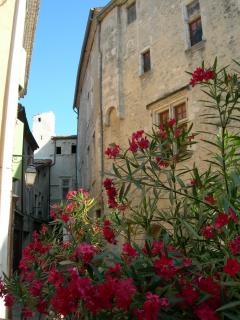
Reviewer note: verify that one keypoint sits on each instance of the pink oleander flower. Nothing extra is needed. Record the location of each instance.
(200, 75)
(113, 151)
(85, 252)
(128, 250)
(232, 267)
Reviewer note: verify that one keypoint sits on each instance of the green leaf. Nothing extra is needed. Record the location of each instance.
(190, 228)
(229, 305)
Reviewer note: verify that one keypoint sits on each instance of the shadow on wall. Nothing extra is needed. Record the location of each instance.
(46, 151)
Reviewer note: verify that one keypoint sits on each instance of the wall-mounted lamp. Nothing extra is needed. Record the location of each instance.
(30, 173)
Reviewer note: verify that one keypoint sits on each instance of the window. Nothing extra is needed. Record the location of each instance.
(74, 148)
(175, 110)
(194, 22)
(58, 150)
(131, 13)
(98, 213)
(146, 61)
(65, 187)
(39, 119)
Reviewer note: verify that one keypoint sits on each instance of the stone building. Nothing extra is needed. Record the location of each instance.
(132, 71)
(18, 20)
(30, 204)
(61, 150)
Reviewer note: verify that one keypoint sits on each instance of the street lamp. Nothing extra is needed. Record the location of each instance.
(30, 175)
(31, 172)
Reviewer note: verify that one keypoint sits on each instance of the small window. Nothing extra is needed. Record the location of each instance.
(98, 213)
(146, 61)
(74, 148)
(131, 13)
(58, 150)
(194, 22)
(39, 119)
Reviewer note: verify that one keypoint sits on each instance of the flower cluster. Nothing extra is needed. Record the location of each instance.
(138, 141)
(200, 75)
(113, 151)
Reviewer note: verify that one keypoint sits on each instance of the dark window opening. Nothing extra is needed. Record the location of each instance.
(39, 119)
(98, 213)
(195, 29)
(58, 150)
(146, 59)
(131, 13)
(74, 148)
(194, 22)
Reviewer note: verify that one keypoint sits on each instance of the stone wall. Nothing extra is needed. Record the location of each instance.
(128, 94)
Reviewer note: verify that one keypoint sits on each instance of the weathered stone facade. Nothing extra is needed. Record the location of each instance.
(115, 97)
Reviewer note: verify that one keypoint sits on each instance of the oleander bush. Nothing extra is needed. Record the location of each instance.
(169, 247)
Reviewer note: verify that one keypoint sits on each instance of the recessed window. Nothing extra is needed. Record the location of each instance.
(177, 111)
(65, 187)
(74, 148)
(131, 13)
(194, 22)
(98, 213)
(39, 119)
(58, 150)
(146, 61)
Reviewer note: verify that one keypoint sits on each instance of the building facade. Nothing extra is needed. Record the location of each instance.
(61, 150)
(132, 71)
(17, 28)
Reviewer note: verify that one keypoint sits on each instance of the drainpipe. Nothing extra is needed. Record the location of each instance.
(101, 111)
(49, 180)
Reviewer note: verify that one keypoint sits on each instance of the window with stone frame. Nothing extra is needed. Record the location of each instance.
(194, 22)
(176, 110)
(131, 13)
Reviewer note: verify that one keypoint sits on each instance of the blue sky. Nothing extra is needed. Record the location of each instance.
(58, 41)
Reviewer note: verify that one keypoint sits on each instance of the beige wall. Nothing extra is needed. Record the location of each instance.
(160, 26)
(6, 23)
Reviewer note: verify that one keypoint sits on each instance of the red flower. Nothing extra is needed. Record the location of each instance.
(234, 246)
(232, 267)
(71, 194)
(162, 133)
(177, 133)
(115, 270)
(189, 294)
(8, 300)
(108, 183)
(221, 220)
(108, 232)
(65, 217)
(171, 123)
(129, 250)
(125, 290)
(111, 193)
(193, 182)
(113, 151)
(44, 229)
(210, 199)
(208, 232)
(164, 267)
(161, 163)
(42, 306)
(35, 288)
(138, 141)
(85, 251)
(55, 277)
(233, 215)
(200, 75)
(204, 312)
